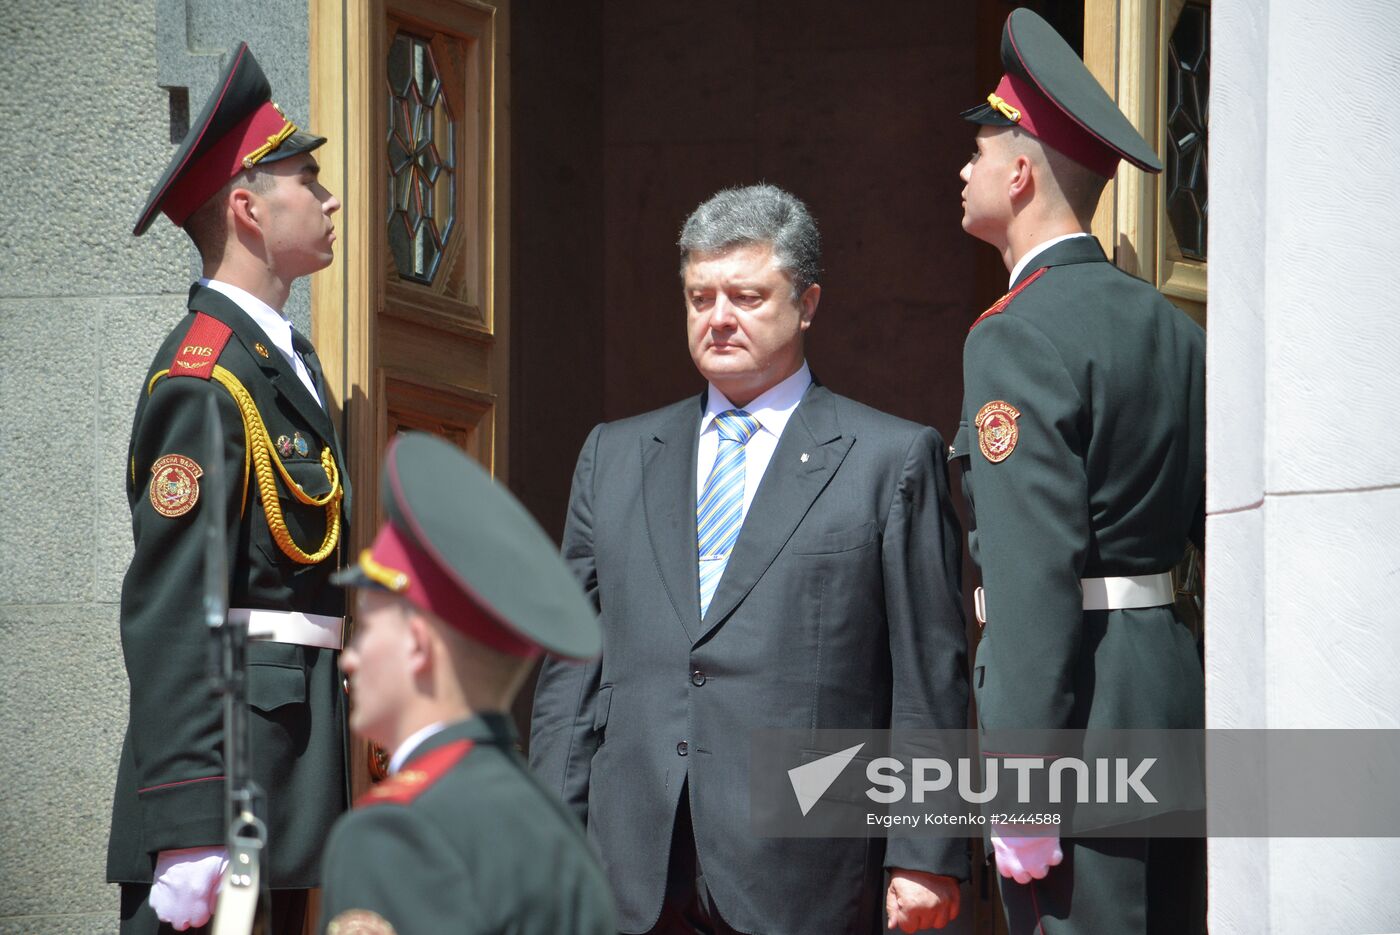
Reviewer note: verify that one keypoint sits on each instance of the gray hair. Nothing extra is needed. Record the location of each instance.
(757, 214)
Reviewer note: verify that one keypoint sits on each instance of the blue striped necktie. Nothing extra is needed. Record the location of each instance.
(720, 510)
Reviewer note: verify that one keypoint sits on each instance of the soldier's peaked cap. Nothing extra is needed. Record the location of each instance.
(459, 545)
(1049, 93)
(240, 127)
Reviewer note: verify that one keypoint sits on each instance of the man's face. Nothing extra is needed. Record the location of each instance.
(379, 667)
(295, 217)
(985, 202)
(744, 324)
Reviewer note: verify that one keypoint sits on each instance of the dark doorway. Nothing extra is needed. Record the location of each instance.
(626, 114)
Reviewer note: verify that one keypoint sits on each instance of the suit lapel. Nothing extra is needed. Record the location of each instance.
(275, 365)
(668, 501)
(789, 487)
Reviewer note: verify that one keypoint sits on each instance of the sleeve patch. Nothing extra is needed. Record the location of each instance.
(997, 433)
(359, 922)
(175, 485)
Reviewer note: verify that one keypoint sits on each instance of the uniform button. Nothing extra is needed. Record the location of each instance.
(697, 678)
(682, 748)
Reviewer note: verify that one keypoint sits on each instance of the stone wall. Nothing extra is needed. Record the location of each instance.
(84, 134)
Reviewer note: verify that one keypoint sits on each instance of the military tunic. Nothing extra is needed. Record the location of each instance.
(1082, 443)
(170, 789)
(464, 840)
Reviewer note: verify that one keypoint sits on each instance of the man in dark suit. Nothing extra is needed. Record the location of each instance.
(459, 594)
(767, 554)
(244, 186)
(1083, 440)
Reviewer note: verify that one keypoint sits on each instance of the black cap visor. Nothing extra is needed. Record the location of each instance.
(354, 577)
(987, 116)
(294, 145)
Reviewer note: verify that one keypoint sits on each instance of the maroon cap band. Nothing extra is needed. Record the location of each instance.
(432, 589)
(224, 160)
(1046, 121)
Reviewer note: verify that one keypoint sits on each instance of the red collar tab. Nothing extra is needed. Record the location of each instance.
(417, 775)
(242, 147)
(1024, 104)
(1005, 300)
(200, 348)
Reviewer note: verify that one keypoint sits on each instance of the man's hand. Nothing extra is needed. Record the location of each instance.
(916, 900)
(1025, 858)
(187, 885)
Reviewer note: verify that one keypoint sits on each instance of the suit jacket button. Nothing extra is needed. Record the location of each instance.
(682, 748)
(697, 678)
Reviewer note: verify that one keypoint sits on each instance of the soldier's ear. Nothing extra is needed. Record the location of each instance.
(420, 642)
(246, 210)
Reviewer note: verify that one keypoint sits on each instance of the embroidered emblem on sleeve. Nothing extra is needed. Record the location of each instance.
(175, 485)
(996, 430)
(359, 922)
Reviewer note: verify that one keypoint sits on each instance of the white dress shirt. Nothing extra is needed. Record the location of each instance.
(772, 410)
(414, 741)
(277, 328)
(1036, 251)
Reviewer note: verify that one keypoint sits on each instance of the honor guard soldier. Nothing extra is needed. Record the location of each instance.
(244, 186)
(459, 594)
(1082, 442)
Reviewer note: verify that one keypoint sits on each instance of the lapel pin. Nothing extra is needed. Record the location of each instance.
(284, 446)
(805, 457)
(261, 348)
(299, 443)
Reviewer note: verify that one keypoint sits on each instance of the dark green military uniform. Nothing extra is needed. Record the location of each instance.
(469, 845)
(1104, 478)
(463, 838)
(287, 511)
(170, 790)
(1082, 442)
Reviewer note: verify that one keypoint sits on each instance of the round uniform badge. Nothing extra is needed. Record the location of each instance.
(359, 922)
(284, 446)
(996, 430)
(175, 485)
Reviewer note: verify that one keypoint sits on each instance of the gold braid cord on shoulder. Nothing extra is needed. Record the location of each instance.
(264, 459)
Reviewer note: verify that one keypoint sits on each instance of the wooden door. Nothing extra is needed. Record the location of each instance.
(412, 320)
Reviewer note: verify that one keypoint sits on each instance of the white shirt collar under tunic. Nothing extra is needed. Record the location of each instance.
(277, 328)
(1036, 251)
(772, 409)
(414, 741)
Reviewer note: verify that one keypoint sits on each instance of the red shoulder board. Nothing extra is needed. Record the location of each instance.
(201, 347)
(1005, 300)
(416, 776)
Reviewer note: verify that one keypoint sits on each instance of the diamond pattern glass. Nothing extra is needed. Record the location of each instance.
(1188, 120)
(422, 183)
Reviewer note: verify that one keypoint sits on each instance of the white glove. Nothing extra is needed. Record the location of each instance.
(187, 885)
(1025, 857)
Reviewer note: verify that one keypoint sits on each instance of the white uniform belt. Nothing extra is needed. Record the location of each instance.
(286, 626)
(1108, 593)
(1128, 591)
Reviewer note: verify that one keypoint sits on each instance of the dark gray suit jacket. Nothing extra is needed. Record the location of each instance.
(839, 608)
